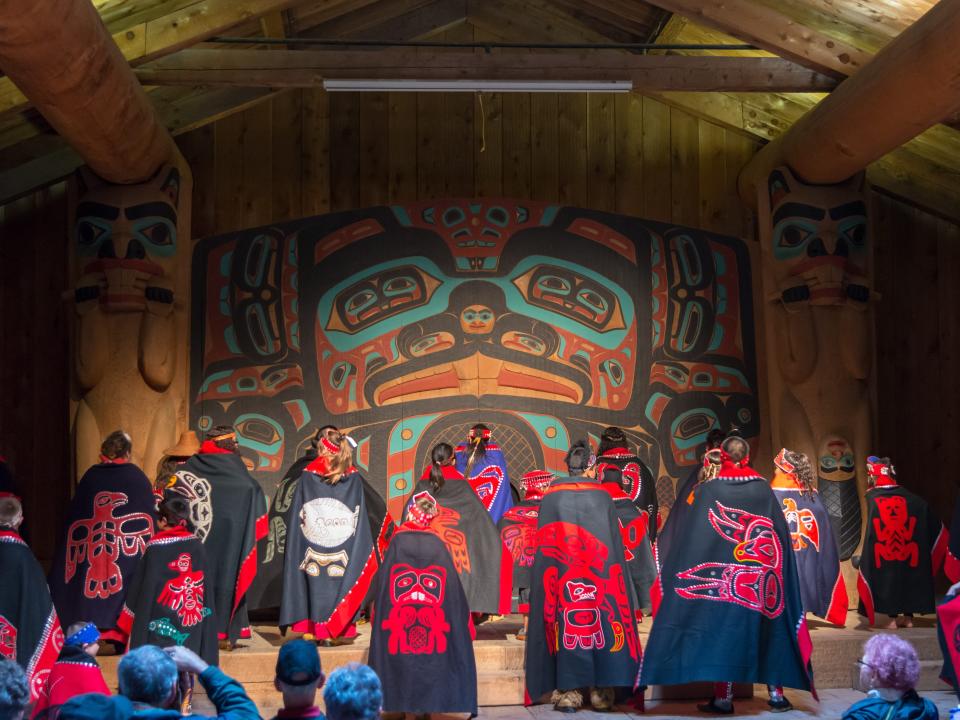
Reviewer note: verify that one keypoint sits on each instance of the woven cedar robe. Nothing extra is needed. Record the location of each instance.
(170, 597)
(642, 490)
(30, 632)
(488, 478)
(729, 595)
(481, 560)
(822, 589)
(638, 558)
(267, 587)
(518, 532)
(582, 630)
(110, 520)
(903, 548)
(229, 513)
(330, 557)
(420, 639)
(74, 673)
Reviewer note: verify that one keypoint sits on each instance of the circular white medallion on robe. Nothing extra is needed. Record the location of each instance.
(328, 522)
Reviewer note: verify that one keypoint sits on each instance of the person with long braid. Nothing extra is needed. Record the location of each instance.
(466, 528)
(481, 461)
(331, 553)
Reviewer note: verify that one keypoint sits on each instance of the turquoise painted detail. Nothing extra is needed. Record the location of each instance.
(648, 410)
(358, 453)
(401, 215)
(416, 425)
(540, 425)
(408, 484)
(212, 378)
(562, 349)
(304, 410)
(230, 337)
(225, 262)
(267, 449)
(549, 215)
(719, 264)
(717, 337)
(692, 442)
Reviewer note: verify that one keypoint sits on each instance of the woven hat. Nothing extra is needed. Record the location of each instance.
(187, 445)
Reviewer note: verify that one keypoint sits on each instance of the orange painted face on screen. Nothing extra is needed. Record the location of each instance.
(477, 320)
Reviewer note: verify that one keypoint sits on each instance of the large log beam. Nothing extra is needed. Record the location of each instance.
(309, 68)
(62, 58)
(909, 86)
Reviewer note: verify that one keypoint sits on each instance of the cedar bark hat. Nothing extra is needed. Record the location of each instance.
(188, 444)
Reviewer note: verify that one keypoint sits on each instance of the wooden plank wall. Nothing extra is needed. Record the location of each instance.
(917, 266)
(34, 370)
(307, 152)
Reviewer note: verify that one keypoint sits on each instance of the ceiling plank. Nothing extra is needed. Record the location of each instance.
(308, 68)
(389, 20)
(169, 33)
(773, 31)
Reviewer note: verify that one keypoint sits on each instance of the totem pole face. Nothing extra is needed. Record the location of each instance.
(125, 237)
(837, 462)
(819, 239)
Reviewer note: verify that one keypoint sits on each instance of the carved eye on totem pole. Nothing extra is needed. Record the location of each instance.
(126, 240)
(819, 240)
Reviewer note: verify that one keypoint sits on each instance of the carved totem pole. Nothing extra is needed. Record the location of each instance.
(130, 259)
(819, 333)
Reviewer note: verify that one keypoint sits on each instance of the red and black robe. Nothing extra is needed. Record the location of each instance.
(30, 633)
(638, 483)
(638, 554)
(421, 631)
(727, 604)
(582, 630)
(466, 528)
(903, 548)
(110, 521)
(331, 554)
(170, 597)
(518, 532)
(229, 514)
(74, 673)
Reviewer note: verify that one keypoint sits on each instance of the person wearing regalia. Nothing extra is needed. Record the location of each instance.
(904, 544)
(110, 520)
(332, 552)
(583, 631)
(727, 604)
(173, 457)
(76, 671)
(30, 633)
(228, 511)
(636, 477)
(674, 527)
(421, 633)
(518, 531)
(468, 531)
(10, 484)
(482, 463)
(632, 522)
(169, 599)
(822, 588)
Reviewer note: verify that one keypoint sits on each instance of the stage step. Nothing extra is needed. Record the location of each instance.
(500, 658)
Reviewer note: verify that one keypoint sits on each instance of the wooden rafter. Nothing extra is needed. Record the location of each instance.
(306, 68)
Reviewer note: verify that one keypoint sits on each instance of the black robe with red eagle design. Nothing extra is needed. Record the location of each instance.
(331, 555)
(110, 520)
(903, 548)
(481, 560)
(229, 514)
(638, 482)
(727, 604)
(822, 588)
(638, 553)
(420, 640)
(518, 531)
(170, 597)
(30, 633)
(582, 630)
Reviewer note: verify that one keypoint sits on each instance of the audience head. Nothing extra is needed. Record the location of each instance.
(14, 692)
(889, 662)
(441, 454)
(117, 446)
(299, 674)
(224, 437)
(611, 437)
(580, 459)
(174, 511)
(11, 512)
(84, 635)
(148, 675)
(353, 693)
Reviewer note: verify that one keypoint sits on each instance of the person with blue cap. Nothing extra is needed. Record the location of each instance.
(76, 671)
(299, 677)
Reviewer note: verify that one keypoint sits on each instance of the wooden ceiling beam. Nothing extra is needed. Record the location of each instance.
(309, 68)
(167, 34)
(774, 32)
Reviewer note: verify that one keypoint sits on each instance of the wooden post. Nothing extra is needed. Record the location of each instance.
(63, 59)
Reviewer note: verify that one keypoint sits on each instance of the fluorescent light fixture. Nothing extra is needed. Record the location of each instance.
(523, 86)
